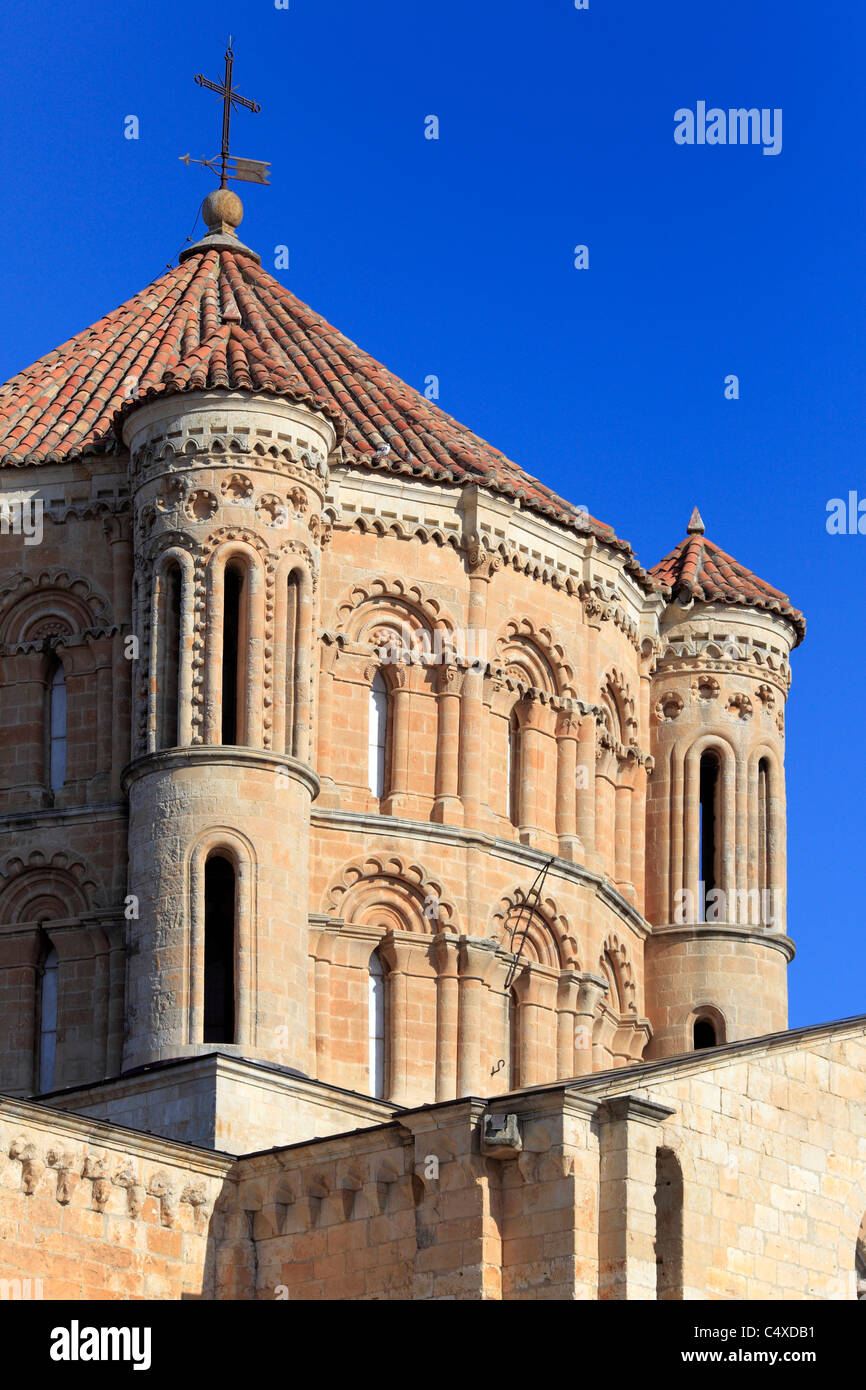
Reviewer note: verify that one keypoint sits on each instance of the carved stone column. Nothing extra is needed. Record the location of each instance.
(329, 651)
(482, 567)
(585, 781)
(569, 843)
(396, 956)
(605, 803)
(533, 717)
(536, 995)
(638, 836)
(592, 988)
(447, 808)
(103, 660)
(568, 987)
(401, 800)
(622, 831)
(446, 947)
(476, 957)
(323, 955)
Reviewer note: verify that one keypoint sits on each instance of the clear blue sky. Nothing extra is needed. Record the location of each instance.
(455, 257)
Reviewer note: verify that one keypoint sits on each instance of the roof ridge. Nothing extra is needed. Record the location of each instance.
(219, 320)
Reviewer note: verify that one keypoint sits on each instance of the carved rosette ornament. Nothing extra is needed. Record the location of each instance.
(668, 706)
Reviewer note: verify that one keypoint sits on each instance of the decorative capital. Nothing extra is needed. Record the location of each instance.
(482, 564)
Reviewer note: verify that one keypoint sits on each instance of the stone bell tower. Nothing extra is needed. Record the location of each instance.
(228, 467)
(716, 962)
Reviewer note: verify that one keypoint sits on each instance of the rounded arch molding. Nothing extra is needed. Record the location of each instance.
(618, 704)
(391, 892)
(542, 929)
(614, 965)
(55, 886)
(226, 840)
(389, 604)
(530, 654)
(54, 602)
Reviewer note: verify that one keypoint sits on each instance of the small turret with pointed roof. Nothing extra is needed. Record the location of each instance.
(716, 810)
(697, 570)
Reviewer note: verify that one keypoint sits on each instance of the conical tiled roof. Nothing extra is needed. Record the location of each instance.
(698, 569)
(218, 320)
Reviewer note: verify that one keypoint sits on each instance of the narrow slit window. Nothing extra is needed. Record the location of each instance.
(513, 769)
(57, 728)
(513, 1040)
(377, 1037)
(763, 826)
(219, 950)
(293, 595)
(48, 1021)
(233, 588)
(708, 827)
(168, 689)
(378, 735)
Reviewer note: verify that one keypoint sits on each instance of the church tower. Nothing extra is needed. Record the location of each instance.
(420, 785)
(227, 484)
(717, 958)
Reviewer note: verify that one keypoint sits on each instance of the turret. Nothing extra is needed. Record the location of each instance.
(716, 962)
(228, 465)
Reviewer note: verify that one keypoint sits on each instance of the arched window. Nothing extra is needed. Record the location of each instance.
(513, 769)
(378, 735)
(47, 1011)
(219, 950)
(709, 827)
(168, 666)
(377, 1025)
(234, 647)
(513, 1041)
(763, 829)
(669, 1226)
(860, 1262)
(704, 1033)
(56, 727)
(293, 605)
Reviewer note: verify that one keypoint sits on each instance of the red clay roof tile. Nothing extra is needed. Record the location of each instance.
(698, 569)
(219, 321)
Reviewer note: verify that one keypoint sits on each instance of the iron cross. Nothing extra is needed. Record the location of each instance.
(231, 99)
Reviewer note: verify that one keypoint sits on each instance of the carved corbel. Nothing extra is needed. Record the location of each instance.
(161, 1188)
(96, 1172)
(67, 1180)
(32, 1164)
(126, 1178)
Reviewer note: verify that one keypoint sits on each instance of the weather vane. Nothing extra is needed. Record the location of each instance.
(230, 166)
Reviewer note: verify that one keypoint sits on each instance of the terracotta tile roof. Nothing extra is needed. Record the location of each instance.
(219, 321)
(698, 569)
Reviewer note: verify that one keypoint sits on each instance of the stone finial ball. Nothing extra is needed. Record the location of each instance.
(222, 209)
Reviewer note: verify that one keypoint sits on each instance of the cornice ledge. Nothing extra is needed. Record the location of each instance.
(729, 931)
(84, 1127)
(169, 759)
(633, 1107)
(371, 822)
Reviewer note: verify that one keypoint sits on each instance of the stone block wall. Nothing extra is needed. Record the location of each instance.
(89, 1211)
